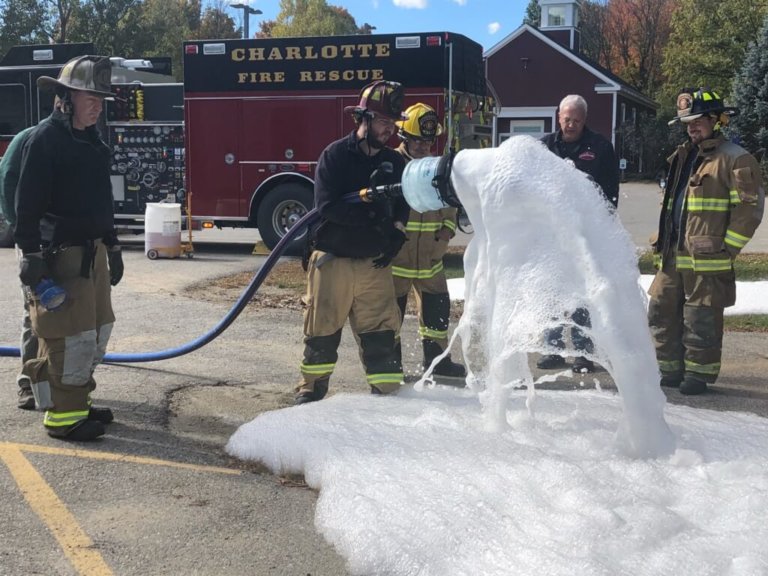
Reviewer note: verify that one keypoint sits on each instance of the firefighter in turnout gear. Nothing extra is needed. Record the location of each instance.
(65, 232)
(419, 265)
(353, 244)
(713, 203)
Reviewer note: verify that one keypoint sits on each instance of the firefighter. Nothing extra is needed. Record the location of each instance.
(10, 165)
(713, 203)
(65, 231)
(348, 272)
(420, 263)
(594, 155)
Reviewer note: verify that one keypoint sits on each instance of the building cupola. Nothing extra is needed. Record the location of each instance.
(560, 21)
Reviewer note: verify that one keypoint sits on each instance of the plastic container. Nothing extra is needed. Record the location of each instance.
(52, 296)
(162, 230)
(418, 190)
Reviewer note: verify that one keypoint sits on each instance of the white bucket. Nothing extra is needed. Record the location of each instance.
(418, 190)
(162, 230)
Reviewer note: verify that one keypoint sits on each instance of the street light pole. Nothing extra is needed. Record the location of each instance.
(247, 11)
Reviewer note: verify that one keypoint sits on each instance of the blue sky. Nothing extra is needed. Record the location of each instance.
(484, 21)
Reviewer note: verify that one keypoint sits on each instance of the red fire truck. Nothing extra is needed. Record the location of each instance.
(257, 113)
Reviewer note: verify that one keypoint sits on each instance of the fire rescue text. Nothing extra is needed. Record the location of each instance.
(326, 52)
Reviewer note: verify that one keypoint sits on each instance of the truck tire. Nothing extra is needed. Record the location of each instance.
(6, 233)
(281, 209)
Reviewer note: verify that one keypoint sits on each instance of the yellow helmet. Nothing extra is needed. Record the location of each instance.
(422, 123)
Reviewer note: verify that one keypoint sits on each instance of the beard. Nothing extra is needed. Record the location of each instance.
(373, 143)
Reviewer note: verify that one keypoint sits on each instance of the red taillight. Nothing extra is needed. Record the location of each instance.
(433, 40)
(190, 49)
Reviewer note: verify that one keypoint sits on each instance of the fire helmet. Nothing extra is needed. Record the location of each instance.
(380, 98)
(422, 123)
(693, 103)
(91, 74)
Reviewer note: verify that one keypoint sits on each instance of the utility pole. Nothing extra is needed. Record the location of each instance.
(247, 11)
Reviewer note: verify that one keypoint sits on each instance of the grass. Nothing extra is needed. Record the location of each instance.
(749, 267)
(289, 279)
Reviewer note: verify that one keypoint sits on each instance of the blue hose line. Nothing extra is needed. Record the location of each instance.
(224, 323)
(234, 312)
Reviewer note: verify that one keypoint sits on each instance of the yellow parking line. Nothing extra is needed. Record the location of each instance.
(75, 543)
(111, 456)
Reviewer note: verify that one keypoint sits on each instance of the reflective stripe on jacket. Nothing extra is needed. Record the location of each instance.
(722, 208)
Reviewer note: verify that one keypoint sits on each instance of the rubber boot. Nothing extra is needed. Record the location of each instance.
(446, 371)
(692, 385)
(319, 390)
(103, 415)
(82, 431)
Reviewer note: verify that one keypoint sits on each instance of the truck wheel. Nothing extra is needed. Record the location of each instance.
(6, 234)
(152, 254)
(279, 211)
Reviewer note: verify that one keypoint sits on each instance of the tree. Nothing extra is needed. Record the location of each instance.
(112, 25)
(750, 95)
(216, 23)
(593, 37)
(708, 41)
(532, 14)
(308, 18)
(23, 21)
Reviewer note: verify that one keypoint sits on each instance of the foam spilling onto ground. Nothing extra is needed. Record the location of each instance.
(500, 480)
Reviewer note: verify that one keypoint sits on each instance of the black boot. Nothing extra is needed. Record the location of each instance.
(103, 415)
(671, 379)
(82, 431)
(319, 390)
(454, 372)
(693, 385)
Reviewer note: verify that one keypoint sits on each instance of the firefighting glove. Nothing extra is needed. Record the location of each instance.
(116, 268)
(32, 269)
(396, 241)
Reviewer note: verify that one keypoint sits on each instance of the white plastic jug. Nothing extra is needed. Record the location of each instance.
(162, 230)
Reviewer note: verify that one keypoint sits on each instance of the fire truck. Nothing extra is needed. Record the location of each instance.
(258, 113)
(126, 125)
(237, 142)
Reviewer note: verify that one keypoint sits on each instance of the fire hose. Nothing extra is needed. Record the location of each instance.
(435, 193)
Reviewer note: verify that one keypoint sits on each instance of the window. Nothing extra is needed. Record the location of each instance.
(13, 109)
(556, 16)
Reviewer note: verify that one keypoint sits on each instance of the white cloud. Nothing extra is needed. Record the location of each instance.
(461, 2)
(418, 4)
(493, 27)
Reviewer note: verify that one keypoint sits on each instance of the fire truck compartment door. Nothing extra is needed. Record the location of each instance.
(213, 162)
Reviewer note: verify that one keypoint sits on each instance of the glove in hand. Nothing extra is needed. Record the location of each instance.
(396, 241)
(32, 269)
(116, 268)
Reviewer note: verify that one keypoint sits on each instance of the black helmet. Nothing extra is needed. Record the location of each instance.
(693, 103)
(380, 98)
(92, 74)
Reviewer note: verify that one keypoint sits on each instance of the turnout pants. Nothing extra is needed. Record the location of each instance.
(74, 337)
(341, 288)
(685, 315)
(433, 303)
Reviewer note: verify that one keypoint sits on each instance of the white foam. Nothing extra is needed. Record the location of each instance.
(498, 480)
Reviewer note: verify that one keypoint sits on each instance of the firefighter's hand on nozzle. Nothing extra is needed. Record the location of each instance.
(32, 269)
(383, 192)
(116, 268)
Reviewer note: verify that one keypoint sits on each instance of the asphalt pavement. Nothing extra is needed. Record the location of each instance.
(158, 495)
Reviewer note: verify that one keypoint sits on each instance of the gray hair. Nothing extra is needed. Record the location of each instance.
(576, 101)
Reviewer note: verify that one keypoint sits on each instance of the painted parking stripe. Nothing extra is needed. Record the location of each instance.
(75, 543)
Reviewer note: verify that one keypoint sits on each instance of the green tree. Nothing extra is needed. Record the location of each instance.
(112, 25)
(532, 14)
(21, 22)
(308, 18)
(216, 23)
(708, 42)
(750, 95)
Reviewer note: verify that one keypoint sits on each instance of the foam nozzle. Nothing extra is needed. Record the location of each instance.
(427, 183)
